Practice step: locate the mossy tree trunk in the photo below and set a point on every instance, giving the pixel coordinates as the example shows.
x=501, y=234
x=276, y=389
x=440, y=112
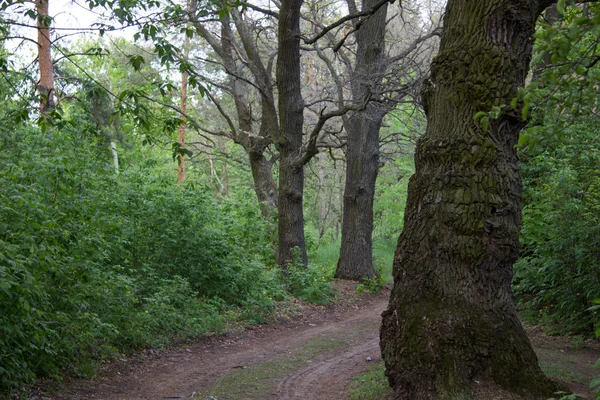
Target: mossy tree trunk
x=451, y=317
x=356, y=260
x=289, y=140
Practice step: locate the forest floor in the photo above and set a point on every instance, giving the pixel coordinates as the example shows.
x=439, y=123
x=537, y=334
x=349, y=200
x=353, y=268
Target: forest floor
x=317, y=355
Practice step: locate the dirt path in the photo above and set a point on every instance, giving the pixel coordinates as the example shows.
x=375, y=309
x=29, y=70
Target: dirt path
x=313, y=358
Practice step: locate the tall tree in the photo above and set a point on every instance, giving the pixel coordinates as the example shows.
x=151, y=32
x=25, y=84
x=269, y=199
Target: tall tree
x=289, y=140
x=362, y=127
x=451, y=317
x=44, y=43
x=236, y=54
x=365, y=63
x=191, y=7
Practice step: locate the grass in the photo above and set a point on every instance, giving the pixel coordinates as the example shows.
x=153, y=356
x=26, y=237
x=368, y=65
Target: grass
x=372, y=385
x=562, y=372
x=383, y=258
x=327, y=255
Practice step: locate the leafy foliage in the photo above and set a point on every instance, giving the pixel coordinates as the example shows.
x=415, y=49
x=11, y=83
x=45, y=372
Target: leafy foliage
x=92, y=263
x=557, y=277
x=309, y=283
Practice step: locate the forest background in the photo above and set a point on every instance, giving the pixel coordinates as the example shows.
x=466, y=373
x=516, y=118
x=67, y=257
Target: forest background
x=140, y=192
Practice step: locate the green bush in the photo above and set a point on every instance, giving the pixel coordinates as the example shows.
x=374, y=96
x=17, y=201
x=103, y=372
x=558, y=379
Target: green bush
x=310, y=283
x=93, y=264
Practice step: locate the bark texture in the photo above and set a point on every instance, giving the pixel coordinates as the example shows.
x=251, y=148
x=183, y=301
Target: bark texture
x=362, y=127
x=451, y=317
x=289, y=140
x=46, y=83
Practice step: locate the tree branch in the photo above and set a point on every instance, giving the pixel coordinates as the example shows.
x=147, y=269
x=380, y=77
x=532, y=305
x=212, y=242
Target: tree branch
x=366, y=13
x=311, y=146
x=273, y=14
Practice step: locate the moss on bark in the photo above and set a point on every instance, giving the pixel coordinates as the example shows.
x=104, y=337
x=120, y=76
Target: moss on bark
x=451, y=318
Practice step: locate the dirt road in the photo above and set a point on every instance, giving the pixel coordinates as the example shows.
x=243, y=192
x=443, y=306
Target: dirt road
x=310, y=359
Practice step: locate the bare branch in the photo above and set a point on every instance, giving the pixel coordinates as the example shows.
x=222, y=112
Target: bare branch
x=366, y=14
x=413, y=46
x=311, y=146
x=272, y=13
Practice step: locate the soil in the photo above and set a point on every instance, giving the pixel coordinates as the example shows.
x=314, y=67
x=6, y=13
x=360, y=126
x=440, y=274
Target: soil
x=312, y=357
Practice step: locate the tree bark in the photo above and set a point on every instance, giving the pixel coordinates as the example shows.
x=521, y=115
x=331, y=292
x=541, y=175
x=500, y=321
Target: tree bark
x=115, y=155
x=255, y=146
x=451, y=317
x=356, y=259
x=46, y=83
x=264, y=184
x=289, y=139
x=182, y=124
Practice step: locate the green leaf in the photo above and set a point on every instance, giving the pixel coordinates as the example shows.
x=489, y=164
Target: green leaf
x=560, y=7
x=136, y=62
x=525, y=110
x=479, y=115
x=485, y=122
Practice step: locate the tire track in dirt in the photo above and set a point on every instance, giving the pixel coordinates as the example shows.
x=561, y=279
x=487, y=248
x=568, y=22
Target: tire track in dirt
x=328, y=379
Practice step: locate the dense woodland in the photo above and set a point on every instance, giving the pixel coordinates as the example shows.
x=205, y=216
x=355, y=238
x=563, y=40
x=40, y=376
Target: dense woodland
x=177, y=168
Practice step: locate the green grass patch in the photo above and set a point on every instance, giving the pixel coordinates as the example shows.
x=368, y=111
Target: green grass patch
x=326, y=255
x=383, y=258
x=372, y=385
x=560, y=371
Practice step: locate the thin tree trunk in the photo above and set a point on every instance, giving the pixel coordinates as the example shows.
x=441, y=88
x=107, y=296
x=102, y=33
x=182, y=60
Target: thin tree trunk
x=323, y=198
x=46, y=83
x=113, y=150
x=225, y=179
x=182, y=124
x=356, y=260
x=451, y=319
x=191, y=6
x=289, y=140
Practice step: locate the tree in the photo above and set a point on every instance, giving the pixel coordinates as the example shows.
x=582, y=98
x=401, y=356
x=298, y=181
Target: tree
x=46, y=83
x=366, y=62
x=191, y=7
x=289, y=139
x=362, y=127
x=235, y=54
x=451, y=317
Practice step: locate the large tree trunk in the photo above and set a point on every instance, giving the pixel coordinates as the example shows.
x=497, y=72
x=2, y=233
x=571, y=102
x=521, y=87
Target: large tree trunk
x=46, y=83
x=289, y=140
x=356, y=259
x=451, y=317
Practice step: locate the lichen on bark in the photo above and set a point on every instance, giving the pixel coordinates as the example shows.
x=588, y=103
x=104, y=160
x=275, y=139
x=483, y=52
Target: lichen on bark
x=451, y=319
